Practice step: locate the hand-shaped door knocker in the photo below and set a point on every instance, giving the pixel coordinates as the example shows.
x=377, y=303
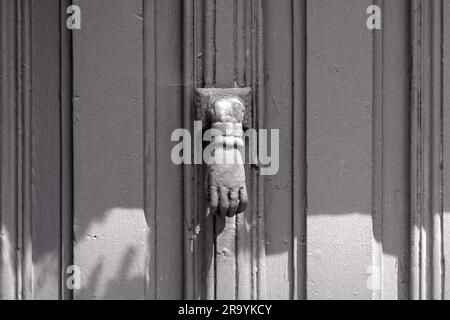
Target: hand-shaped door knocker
x=224, y=116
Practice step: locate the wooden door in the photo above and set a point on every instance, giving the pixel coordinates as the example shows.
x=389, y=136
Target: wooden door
x=357, y=209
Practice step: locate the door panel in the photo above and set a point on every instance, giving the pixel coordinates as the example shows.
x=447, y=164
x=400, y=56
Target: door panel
x=109, y=223
x=339, y=150
x=358, y=119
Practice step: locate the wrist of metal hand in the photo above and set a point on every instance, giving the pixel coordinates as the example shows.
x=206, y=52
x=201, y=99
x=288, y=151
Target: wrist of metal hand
x=232, y=134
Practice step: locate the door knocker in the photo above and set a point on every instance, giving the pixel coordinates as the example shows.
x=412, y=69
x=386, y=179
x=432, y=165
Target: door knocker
x=225, y=114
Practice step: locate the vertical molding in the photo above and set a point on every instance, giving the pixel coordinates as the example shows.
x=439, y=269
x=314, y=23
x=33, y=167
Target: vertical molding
x=66, y=152
x=259, y=118
x=437, y=210
x=46, y=148
x=150, y=136
x=390, y=152
x=446, y=148
x=241, y=35
x=299, y=150
x=244, y=281
x=278, y=114
x=416, y=19
x=377, y=159
x=204, y=235
x=27, y=148
x=168, y=188
x=15, y=215
x=226, y=253
x=8, y=150
x=426, y=153
x=190, y=243
x=207, y=29
x=209, y=43
x=26, y=156
x=250, y=76
x=20, y=153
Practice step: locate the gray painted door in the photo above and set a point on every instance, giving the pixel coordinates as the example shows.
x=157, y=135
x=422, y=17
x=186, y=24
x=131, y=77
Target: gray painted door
x=357, y=210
